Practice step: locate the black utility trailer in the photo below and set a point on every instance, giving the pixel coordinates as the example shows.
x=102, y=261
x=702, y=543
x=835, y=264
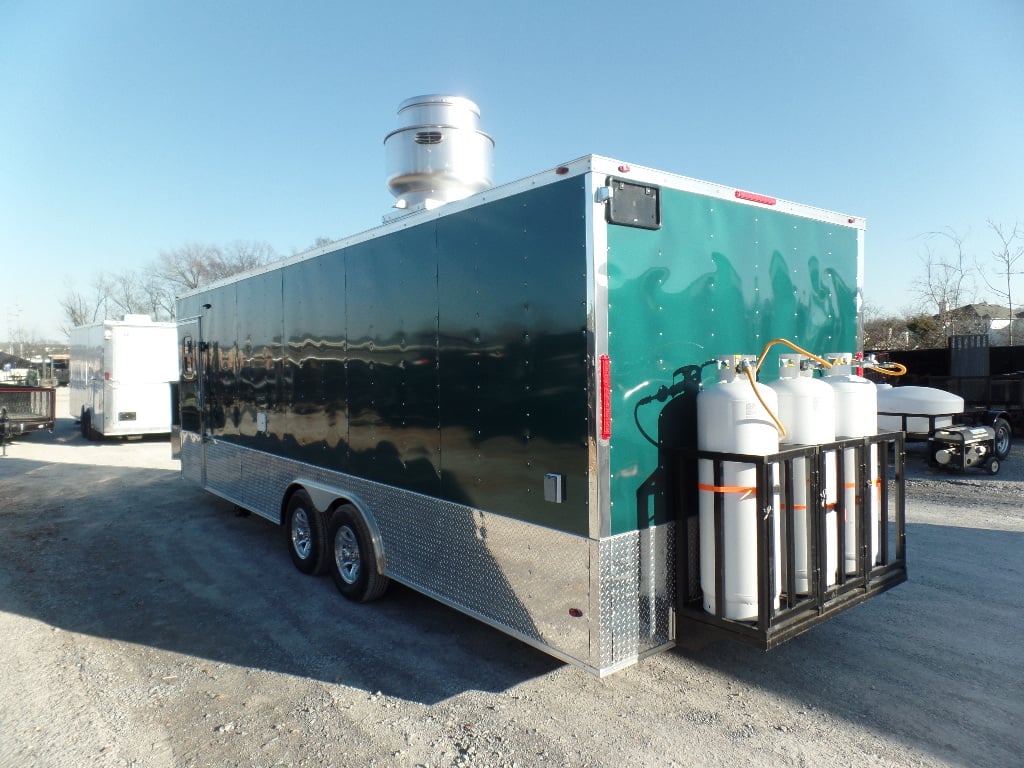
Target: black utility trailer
x=989, y=379
x=995, y=420
x=988, y=399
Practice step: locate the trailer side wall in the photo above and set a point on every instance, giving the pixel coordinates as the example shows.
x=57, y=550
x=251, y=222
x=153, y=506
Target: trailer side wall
x=448, y=358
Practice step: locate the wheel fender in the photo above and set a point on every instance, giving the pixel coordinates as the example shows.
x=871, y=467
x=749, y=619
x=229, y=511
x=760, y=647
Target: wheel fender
x=325, y=498
x=991, y=416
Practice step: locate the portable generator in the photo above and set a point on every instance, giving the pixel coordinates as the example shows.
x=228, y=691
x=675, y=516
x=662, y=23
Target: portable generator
x=961, y=447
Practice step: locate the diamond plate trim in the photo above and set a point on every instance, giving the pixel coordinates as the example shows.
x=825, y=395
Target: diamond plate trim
x=602, y=604
x=636, y=591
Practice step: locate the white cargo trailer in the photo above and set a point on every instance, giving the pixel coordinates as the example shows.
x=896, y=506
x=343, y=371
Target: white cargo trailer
x=120, y=377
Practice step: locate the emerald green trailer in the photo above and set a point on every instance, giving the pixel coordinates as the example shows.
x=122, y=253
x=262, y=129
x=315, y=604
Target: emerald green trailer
x=491, y=401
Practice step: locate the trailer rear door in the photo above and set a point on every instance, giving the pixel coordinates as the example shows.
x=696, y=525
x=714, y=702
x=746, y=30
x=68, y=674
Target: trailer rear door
x=191, y=395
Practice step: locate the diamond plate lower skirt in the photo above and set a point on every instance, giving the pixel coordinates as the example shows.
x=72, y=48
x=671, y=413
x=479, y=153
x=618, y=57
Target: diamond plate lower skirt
x=599, y=603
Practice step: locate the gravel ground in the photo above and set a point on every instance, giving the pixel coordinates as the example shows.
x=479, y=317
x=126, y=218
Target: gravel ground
x=144, y=623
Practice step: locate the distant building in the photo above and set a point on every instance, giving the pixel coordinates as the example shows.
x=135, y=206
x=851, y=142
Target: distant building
x=991, y=319
x=9, y=361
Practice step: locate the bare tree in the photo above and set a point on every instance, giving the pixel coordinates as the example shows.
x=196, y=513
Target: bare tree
x=75, y=310
x=1007, y=256
x=152, y=290
x=187, y=267
x=159, y=297
x=241, y=256
x=947, y=282
x=126, y=293
x=80, y=309
x=884, y=331
x=193, y=265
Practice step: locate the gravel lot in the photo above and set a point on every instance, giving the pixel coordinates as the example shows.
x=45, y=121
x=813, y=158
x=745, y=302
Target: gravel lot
x=144, y=623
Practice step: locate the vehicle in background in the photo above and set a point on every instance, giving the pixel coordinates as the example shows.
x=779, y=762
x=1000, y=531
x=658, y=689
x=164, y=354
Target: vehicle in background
x=25, y=409
x=27, y=401
x=61, y=369
x=120, y=377
x=968, y=384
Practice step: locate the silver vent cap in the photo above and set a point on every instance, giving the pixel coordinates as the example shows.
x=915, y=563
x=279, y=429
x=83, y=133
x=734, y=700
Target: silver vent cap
x=439, y=154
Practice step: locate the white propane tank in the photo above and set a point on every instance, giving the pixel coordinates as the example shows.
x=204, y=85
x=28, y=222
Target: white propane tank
x=730, y=419
x=807, y=410
x=856, y=416
x=807, y=406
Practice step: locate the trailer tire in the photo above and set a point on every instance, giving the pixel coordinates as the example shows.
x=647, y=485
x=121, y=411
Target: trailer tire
x=1004, y=437
x=87, y=430
x=352, y=560
x=306, y=534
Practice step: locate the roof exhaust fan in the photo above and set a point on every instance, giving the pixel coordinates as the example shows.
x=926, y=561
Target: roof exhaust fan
x=440, y=154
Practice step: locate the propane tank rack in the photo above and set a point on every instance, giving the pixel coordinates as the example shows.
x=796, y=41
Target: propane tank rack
x=786, y=613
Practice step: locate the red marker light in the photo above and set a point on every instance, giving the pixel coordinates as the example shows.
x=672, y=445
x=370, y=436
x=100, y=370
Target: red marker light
x=575, y=612
x=106, y=375
x=562, y=170
x=606, y=397
x=624, y=168
x=755, y=198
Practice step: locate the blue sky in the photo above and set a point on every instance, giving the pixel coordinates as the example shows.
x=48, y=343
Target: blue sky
x=135, y=126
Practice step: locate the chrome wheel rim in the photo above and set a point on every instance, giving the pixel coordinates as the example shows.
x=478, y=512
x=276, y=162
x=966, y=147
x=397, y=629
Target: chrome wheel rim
x=302, y=534
x=1002, y=441
x=346, y=554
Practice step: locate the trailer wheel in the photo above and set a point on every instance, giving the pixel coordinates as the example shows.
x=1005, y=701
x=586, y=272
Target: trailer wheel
x=1004, y=437
x=87, y=430
x=353, y=562
x=306, y=534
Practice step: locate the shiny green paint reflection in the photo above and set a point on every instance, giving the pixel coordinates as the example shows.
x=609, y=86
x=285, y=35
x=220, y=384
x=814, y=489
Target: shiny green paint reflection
x=719, y=277
x=448, y=358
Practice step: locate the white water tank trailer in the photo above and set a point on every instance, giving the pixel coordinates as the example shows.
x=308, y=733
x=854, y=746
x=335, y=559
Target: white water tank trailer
x=916, y=410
